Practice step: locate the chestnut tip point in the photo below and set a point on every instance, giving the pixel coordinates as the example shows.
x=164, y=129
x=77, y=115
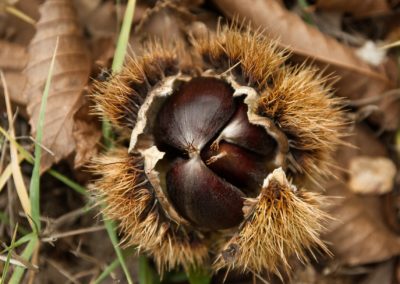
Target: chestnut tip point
x=278, y=175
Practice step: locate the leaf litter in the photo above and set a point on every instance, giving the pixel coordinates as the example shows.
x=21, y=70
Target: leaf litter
x=364, y=236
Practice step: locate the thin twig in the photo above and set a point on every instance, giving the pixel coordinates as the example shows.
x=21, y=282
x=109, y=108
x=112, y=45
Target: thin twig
x=85, y=273
x=12, y=261
x=63, y=271
x=55, y=237
x=88, y=258
x=393, y=94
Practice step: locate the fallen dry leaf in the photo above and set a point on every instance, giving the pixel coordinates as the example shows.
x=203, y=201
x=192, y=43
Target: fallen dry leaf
x=355, y=7
x=20, y=31
x=99, y=18
x=12, y=56
x=71, y=73
x=87, y=135
x=358, y=234
x=16, y=83
x=382, y=274
x=155, y=21
x=371, y=175
x=356, y=78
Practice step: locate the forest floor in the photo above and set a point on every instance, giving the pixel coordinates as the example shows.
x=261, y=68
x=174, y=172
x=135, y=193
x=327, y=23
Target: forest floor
x=356, y=43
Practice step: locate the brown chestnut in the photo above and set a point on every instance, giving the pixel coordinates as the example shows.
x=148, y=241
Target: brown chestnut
x=195, y=113
x=237, y=165
x=207, y=184
x=241, y=132
x=202, y=197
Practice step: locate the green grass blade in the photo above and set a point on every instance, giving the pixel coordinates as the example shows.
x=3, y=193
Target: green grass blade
x=123, y=38
x=146, y=273
x=118, y=62
x=24, y=239
x=111, y=228
x=67, y=181
x=27, y=254
x=110, y=268
x=108, y=138
x=7, y=264
x=198, y=276
x=28, y=157
x=27, y=238
x=175, y=277
x=5, y=220
x=35, y=180
x=307, y=17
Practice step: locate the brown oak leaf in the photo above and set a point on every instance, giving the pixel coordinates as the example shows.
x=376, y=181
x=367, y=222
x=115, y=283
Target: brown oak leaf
x=359, y=233
x=71, y=73
x=355, y=79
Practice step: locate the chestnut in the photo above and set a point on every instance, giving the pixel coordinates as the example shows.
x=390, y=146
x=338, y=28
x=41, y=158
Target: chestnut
x=241, y=132
x=202, y=197
x=207, y=184
x=237, y=165
x=194, y=114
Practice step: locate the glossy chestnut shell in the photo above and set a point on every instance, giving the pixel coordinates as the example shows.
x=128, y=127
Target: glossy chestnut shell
x=216, y=157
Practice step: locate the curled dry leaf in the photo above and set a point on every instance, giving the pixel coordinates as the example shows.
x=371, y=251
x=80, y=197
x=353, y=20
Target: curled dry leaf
x=382, y=274
x=19, y=30
x=165, y=15
x=355, y=7
x=71, y=72
x=15, y=83
x=358, y=234
x=355, y=78
x=13, y=58
x=86, y=133
x=371, y=175
x=99, y=18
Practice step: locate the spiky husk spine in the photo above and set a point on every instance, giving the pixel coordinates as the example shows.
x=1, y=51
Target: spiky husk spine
x=279, y=222
x=296, y=99
x=129, y=198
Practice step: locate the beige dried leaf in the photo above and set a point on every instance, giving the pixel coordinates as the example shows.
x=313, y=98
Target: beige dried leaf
x=87, y=134
x=71, y=73
x=16, y=83
x=356, y=78
x=355, y=7
x=12, y=56
x=359, y=233
x=371, y=175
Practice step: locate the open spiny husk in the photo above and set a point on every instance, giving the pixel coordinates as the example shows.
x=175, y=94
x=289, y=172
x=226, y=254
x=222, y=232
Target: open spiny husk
x=296, y=99
x=129, y=199
x=279, y=223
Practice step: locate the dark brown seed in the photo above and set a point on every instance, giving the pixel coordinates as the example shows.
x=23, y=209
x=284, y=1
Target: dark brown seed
x=241, y=132
x=202, y=197
x=241, y=167
x=194, y=114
